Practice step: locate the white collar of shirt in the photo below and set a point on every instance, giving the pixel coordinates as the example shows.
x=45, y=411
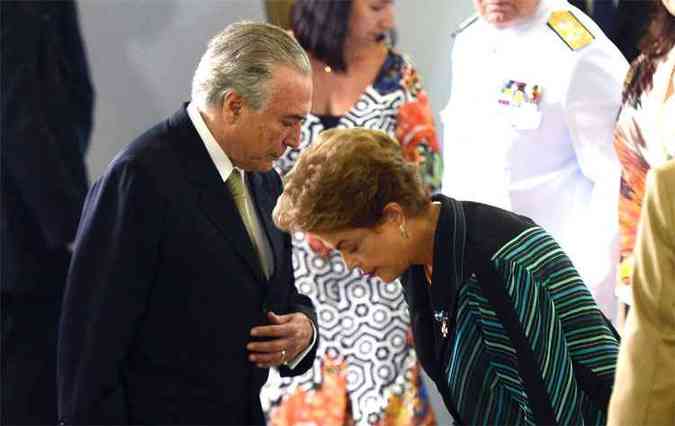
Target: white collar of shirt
x=218, y=156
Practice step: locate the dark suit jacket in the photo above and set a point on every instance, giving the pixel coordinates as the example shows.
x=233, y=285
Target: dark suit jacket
x=47, y=102
x=625, y=25
x=164, y=288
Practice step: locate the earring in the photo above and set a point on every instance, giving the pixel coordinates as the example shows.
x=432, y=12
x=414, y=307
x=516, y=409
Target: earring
x=404, y=232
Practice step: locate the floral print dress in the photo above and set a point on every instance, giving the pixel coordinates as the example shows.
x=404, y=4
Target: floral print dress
x=644, y=138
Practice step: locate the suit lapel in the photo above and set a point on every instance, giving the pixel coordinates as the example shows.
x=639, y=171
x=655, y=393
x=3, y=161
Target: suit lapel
x=218, y=205
x=214, y=199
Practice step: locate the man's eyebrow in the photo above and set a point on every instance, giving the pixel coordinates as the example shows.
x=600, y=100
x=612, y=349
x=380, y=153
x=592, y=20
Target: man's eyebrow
x=337, y=247
x=297, y=117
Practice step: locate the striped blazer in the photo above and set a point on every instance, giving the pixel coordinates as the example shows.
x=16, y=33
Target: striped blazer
x=515, y=337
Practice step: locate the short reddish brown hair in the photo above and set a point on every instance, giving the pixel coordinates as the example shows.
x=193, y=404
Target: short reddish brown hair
x=345, y=179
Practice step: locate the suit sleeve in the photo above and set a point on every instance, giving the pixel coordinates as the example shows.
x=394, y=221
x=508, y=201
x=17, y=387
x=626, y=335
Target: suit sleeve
x=40, y=154
x=111, y=274
x=304, y=305
x=644, y=380
x=559, y=318
x=591, y=106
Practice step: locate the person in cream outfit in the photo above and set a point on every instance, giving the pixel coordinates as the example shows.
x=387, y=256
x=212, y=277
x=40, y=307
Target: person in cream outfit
x=644, y=387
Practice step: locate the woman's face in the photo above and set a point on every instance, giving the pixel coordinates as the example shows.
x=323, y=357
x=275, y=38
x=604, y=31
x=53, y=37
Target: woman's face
x=504, y=13
x=670, y=5
x=370, y=20
x=378, y=251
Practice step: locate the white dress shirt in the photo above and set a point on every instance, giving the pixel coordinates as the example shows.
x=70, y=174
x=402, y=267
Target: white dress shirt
x=554, y=163
x=225, y=168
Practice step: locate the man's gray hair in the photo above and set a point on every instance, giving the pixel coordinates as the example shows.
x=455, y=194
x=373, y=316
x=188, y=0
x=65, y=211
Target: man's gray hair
x=240, y=58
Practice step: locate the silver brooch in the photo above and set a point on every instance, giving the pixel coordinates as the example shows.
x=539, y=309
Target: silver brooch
x=442, y=317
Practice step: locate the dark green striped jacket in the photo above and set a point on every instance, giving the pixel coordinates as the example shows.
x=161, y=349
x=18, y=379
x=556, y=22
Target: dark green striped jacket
x=518, y=339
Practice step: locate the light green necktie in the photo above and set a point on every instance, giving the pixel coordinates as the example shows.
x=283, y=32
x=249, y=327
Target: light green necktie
x=236, y=185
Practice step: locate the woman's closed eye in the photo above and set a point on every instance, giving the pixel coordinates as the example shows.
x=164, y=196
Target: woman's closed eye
x=350, y=249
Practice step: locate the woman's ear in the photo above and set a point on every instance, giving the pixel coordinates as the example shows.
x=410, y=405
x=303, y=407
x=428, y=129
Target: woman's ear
x=393, y=212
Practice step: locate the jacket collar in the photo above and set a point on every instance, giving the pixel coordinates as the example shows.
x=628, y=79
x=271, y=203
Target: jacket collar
x=448, y=264
x=448, y=272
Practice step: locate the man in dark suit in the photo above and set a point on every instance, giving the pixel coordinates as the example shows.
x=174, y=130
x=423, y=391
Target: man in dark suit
x=624, y=21
x=47, y=105
x=180, y=294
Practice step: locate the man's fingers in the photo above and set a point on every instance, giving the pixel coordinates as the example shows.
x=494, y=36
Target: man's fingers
x=272, y=330
x=287, y=336
x=269, y=346
x=279, y=319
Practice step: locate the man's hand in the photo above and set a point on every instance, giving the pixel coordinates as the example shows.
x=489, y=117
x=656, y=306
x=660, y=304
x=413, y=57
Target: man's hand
x=288, y=336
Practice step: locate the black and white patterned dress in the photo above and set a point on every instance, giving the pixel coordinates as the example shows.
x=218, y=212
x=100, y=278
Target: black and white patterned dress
x=363, y=322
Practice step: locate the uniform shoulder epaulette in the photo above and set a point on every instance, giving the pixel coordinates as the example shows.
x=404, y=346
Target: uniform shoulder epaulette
x=464, y=25
x=570, y=29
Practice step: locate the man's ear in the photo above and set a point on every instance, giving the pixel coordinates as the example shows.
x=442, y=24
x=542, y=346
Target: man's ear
x=233, y=104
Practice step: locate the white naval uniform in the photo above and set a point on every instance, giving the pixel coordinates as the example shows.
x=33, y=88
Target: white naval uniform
x=556, y=164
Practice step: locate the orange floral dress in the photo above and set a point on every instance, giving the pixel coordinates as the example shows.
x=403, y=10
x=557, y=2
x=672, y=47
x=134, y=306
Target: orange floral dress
x=644, y=137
